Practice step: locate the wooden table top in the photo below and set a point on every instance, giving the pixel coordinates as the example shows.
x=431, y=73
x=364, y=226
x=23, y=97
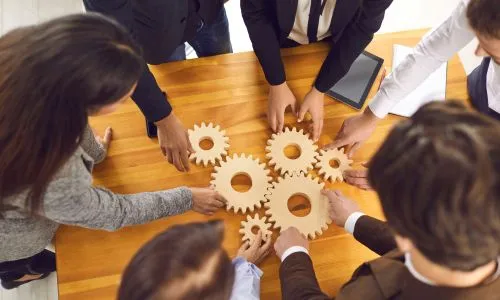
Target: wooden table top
x=229, y=90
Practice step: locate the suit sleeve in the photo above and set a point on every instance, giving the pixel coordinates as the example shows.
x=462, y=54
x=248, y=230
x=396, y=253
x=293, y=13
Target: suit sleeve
x=374, y=234
x=148, y=96
x=298, y=280
x=259, y=20
x=356, y=36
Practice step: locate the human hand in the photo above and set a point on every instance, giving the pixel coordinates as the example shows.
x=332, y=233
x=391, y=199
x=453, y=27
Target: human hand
x=354, y=131
x=207, y=200
x=280, y=97
x=289, y=238
x=257, y=251
x=314, y=104
x=339, y=206
x=358, y=178
x=174, y=142
x=106, y=139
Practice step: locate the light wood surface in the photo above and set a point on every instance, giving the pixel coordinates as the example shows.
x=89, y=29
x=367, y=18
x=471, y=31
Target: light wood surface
x=229, y=90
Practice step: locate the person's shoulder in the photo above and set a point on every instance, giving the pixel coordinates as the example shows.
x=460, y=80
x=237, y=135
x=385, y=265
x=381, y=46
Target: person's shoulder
x=75, y=173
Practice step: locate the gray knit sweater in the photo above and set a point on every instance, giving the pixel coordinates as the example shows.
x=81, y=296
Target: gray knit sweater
x=71, y=199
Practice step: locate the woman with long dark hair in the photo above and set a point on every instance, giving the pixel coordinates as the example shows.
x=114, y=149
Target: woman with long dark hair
x=52, y=77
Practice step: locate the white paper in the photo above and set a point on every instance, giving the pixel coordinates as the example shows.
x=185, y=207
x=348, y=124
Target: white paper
x=432, y=89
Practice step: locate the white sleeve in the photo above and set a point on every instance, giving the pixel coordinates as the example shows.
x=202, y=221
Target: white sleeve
x=292, y=250
x=437, y=47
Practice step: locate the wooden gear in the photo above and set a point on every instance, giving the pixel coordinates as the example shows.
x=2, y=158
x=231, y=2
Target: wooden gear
x=283, y=164
x=237, y=165
x=256, y=221
x=216, y=135
x=311, y=225
x=326, y=170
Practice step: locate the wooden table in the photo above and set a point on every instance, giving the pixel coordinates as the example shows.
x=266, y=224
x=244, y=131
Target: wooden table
x=229, y=90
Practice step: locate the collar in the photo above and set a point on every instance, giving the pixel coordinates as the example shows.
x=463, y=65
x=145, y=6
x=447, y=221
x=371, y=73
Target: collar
x=411, y=268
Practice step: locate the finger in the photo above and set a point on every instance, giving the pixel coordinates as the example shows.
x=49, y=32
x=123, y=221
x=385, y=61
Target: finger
x=316, y=130
x=267, y=244
x=108, y=134
x=353, y=149
x=355, y=173
x=366, y=187
x=336, y=144
x=184, y=159
x=177, y=161
x=257, y=241
x=281, y=121
x=168, y=155
x=366, y=164
x=221, y=198
x=272, y=120
x=327, y=193
x=244, y=246
x=293, y=105
x=217, y=203
x=321, y=123
x=190, y=147
x=302, y=112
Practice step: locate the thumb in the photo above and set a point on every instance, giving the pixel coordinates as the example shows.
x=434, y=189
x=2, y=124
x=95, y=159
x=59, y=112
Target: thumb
x=302, y=112
x=337, y=143
x=257, y=241
x=190, y=146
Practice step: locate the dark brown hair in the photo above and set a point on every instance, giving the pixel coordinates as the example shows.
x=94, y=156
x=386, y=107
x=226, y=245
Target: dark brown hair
x=438, y=178
x=484, y=17
x=186, y=262
x=51, y=76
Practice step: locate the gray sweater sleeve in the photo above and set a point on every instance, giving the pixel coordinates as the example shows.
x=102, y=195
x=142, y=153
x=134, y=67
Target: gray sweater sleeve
x=72, y=200
x=93, y=148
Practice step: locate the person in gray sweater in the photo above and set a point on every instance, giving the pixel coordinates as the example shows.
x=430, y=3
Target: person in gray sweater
x=53, y=76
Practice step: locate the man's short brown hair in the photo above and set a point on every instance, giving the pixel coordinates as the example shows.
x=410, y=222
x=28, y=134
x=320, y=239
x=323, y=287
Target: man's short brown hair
x=484, y=17
x=438, y=178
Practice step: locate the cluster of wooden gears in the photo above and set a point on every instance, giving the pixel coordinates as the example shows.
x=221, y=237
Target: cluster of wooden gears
x=274, y=196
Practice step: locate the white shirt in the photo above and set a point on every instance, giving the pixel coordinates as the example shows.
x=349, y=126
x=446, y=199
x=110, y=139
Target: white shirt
x=299, y=30
x=434, y=49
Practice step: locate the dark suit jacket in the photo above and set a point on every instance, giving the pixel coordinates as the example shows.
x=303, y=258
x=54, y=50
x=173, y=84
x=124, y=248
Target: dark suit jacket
x=384, y=278
x=159, y=26
x=354, y=22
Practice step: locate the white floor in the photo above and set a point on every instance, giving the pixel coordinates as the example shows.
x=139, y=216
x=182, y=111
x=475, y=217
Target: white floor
x=402, y=15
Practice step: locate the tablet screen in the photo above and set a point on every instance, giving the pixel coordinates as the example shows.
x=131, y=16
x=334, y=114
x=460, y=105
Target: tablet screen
x=354, y=87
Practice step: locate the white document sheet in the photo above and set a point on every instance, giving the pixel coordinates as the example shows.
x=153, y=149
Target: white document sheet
x=432, y=89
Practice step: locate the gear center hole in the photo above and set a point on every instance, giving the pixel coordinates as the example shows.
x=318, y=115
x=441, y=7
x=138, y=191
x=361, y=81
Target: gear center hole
x=255, y=230
x=241, y=182
x=292, y=151
x=206, y=143
x=299, y=205
x=334, y=163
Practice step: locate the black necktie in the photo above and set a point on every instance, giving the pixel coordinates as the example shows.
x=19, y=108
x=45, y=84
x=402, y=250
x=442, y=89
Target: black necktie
x=312, y=26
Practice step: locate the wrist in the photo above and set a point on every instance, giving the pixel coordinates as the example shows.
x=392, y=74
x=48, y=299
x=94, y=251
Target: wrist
x=166, y=120
x=370, y=116
x=278, y=86
x=351, y=221
x=315, y=91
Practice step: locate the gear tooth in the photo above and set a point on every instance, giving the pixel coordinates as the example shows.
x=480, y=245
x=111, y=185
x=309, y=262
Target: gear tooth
x=217, y=127
x=210, y=125
x=190, y=131
x=206, y=162
x=250, y=156
x=242, y=231
x=196, y=127
x=248, y=218
x=287, y=129
x=198, y=160
x=301, y=131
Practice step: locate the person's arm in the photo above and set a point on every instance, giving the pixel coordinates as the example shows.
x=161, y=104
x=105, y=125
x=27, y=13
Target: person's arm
x=356, y=36
x=432, y=51
x=259, y=21
x=374, y=234
x=297, y=277
x=246, y=280
x=370, y=232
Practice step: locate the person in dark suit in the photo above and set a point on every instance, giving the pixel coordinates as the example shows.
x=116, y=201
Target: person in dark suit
x=162, y=27
x=349, y=25
x=437, y=176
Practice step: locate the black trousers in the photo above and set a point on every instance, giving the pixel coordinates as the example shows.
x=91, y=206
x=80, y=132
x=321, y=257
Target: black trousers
x=41, y=263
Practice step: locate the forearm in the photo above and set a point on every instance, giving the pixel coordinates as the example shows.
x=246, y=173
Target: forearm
x=264, y=39
x=374, y=234
x=437, y=47
x=246, y=280
x=298, y=280
x=90, y=145
x=100, y=208
x=150, y=98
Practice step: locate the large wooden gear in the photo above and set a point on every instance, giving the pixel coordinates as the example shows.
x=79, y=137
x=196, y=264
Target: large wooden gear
x=237, y=165
x=326, y=170
x=283, y=164
x=256, y=221
x=311, y=225
x=213, y=133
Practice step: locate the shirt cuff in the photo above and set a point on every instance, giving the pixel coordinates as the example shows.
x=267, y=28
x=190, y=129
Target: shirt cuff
x=350, y=223
x=240, y=261
x=292, y=250
x=380, y=107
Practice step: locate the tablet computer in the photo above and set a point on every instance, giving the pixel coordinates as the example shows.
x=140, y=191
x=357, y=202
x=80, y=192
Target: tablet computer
x=354, y=87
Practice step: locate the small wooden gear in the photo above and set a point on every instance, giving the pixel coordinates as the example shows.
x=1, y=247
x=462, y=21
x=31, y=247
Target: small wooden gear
x=256, y=221
x=237, y=165
x=213, y=133
x=283, y=164
x=326, y=170
x=311, y=225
